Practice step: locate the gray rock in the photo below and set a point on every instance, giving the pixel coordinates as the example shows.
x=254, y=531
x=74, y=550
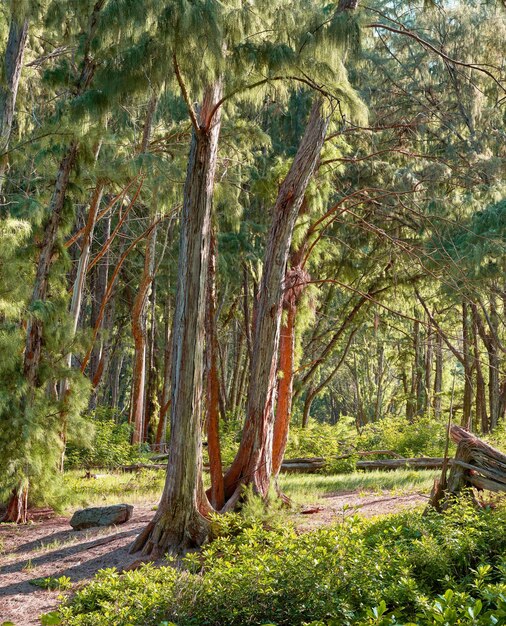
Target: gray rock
x=101, y=516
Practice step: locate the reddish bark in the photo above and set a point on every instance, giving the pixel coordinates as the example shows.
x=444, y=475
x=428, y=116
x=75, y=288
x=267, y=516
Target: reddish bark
x=17, y=507
x=139, y=330
x=253, y=462
x=217, y=491
x=165, y=395
x=284, y=404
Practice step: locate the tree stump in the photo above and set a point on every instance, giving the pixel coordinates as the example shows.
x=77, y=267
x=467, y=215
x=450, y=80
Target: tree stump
x=476, y=464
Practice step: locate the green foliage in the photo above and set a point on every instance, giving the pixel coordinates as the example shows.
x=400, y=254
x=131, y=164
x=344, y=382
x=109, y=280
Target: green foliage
x=422, y=436
x=396, y=570
x=63, y=583
x=108, y=447
x=320, y=440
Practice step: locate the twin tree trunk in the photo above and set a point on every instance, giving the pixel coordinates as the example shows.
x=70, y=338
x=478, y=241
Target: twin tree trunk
x=253, y=462
x=180, y=521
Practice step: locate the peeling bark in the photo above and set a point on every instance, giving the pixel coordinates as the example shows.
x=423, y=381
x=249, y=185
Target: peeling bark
x=180, y=522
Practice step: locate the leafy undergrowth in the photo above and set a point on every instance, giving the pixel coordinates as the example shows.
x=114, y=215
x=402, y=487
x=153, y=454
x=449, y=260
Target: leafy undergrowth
x=403, y=569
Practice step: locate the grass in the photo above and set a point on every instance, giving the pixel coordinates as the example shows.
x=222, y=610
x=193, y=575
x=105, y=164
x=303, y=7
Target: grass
x=303, y=488
x=134, y=488
x=145, y=487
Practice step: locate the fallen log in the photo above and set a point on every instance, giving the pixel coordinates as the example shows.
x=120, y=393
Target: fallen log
x=311, y=465
x=137, y=467
x=415, y=462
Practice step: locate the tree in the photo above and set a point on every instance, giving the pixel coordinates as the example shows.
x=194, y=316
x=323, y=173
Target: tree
x=13, y=63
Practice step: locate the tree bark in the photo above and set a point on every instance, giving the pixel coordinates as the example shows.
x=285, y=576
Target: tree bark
x=217, y=491
x=139, y=333
x=285, y=385
x=438, y=376
x=180, y=522
x=468, y=369
x=13, y=62
x=253, y=463
x=75, y=304
x=152, y=369
x=481, y=397
x=165, y=395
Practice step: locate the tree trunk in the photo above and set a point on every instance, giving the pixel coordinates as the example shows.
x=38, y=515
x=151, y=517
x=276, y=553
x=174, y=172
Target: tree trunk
x=99, y=275
x=139, y=332
x=180, y=522
x=17, y=508
x=152, y=370
x=481, y=397
x=33, y=346
x=285, y=385
x=217, y=491
x=75, y=304
x=253, y=463
x=165, y=395
x=16, y=43
x=468, y=369
x=493, y=378
x=438, y=376
x=429, y=349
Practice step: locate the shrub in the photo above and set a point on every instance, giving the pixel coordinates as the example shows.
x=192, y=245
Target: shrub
x=423, y=436
x=396, y=570
x=108, y=446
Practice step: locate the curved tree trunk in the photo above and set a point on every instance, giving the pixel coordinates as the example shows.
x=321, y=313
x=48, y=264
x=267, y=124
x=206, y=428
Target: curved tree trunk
x=295, y=282
x=253, y=462
x=180, y=522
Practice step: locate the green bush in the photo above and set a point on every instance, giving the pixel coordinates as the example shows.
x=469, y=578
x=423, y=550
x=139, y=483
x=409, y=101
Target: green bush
x=108, y=446
x=423, y=436
x=321, y=439
x=397, y=570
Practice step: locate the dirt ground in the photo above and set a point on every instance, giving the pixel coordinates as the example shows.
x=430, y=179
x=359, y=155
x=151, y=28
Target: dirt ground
x=49, y=547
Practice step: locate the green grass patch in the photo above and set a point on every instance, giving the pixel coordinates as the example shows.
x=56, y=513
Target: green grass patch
x=145, y=486
x=308, y=487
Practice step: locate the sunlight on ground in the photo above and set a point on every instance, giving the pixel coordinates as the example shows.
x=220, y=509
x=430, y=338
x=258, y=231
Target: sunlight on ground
x=146, y=486
x=308, y=487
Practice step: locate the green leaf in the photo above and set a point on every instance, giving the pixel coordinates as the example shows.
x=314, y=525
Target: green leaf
x=50, y=619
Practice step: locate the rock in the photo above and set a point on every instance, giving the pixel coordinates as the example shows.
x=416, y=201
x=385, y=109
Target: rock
x=101, y=516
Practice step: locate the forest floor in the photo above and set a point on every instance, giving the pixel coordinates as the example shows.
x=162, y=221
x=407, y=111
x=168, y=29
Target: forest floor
x=48, y=547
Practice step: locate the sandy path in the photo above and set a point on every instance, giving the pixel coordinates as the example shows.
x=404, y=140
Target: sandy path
x=49, y=547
